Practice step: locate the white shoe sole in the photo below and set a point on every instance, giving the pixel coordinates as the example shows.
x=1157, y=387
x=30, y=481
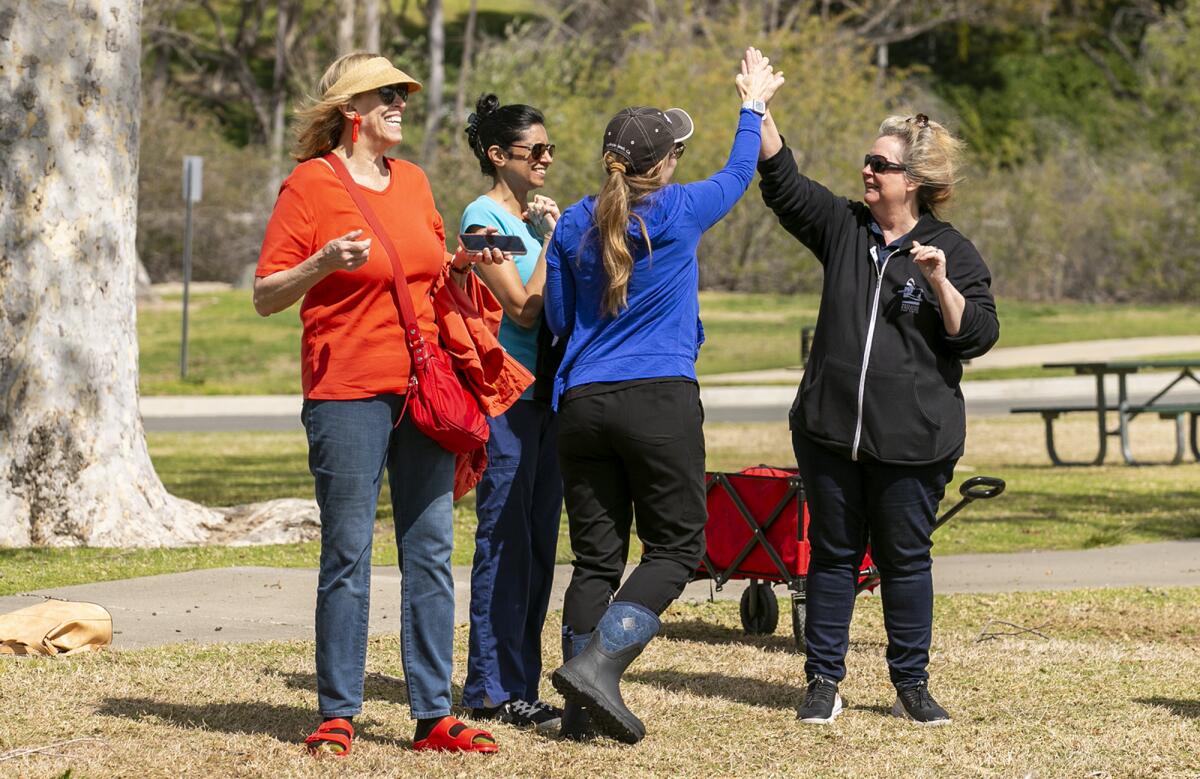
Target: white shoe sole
x=837, y=709
x=898, y=710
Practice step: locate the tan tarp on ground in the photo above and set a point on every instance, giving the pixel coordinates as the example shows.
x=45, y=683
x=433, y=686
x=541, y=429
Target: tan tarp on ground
x=55, y=627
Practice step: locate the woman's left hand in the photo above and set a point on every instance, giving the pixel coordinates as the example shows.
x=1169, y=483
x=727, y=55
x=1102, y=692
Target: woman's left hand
x=542, y=211
x=932, y=262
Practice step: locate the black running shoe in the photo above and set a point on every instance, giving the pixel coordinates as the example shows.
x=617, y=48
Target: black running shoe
x=537, y=714
x=522, y=714
x=822, y=702
x=916, y=704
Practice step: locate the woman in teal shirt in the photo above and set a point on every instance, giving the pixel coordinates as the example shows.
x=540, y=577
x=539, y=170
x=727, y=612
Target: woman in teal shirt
x=519, y=499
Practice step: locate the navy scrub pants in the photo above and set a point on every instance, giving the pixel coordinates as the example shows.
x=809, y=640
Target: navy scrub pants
x=893, y=507
x=518, y=504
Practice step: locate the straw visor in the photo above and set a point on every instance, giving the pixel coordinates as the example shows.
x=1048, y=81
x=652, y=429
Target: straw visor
x=374, y=73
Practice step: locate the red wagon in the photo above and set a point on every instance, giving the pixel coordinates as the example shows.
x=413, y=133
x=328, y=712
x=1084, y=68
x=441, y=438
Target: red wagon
x=758, y=530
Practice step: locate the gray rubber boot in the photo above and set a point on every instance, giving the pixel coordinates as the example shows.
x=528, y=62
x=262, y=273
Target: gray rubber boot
x=593, y=678
x=576, y=724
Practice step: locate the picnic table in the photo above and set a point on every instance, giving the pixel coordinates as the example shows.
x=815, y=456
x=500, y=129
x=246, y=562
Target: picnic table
x=1183, y=370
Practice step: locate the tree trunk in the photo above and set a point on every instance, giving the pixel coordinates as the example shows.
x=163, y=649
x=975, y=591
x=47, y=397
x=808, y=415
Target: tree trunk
x=279, y=76
x=437, y=79
x=74, y=468
x=460, y=96
x=371, y=22
x=345, y=26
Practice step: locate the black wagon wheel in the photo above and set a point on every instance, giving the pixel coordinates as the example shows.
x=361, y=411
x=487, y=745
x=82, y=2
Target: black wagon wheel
x=799, y=616
x=760, y=609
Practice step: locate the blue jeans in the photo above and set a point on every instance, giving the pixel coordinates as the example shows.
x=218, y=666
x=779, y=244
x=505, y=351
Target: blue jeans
x=518, y=503
x=894, y=507
x=350, y=443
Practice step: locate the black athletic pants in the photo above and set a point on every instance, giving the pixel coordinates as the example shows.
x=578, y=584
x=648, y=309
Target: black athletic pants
x=638, y=449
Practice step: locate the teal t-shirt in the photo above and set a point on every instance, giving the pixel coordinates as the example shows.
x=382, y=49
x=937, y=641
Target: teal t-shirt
x=520, y=342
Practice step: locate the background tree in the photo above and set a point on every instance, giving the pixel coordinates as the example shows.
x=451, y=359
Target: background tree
x=74, y=468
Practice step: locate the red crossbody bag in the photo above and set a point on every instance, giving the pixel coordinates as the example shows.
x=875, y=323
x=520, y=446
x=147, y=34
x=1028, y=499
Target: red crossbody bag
x=442, y=408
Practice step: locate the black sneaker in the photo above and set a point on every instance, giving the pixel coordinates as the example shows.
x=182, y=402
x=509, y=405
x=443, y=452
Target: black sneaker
x=522, y=714
x=822, y=702
x=916, y=704
x=539, y=715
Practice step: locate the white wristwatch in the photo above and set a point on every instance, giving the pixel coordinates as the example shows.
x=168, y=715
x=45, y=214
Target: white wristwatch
x=757, y=106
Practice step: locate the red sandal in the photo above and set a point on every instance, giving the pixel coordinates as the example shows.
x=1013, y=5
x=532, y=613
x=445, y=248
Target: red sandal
x=332, y=737
x=451, y=735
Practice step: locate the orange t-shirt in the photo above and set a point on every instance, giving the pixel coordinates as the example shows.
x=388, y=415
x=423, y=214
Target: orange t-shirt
x=353, y=344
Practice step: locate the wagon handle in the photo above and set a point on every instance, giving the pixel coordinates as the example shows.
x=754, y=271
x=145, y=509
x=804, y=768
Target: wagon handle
x=982, y=487
x=974, y=488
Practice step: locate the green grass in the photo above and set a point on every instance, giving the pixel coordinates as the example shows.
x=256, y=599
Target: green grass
x=233, y=351
x=1044, y=507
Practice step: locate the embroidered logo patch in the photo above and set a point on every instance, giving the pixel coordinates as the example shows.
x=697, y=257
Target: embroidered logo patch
x=910, y=298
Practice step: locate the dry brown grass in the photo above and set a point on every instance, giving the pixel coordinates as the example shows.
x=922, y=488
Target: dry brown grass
x=1111, y=693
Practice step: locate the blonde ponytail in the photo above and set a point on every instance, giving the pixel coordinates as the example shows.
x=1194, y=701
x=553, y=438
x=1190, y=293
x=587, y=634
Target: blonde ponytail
x=621, y=191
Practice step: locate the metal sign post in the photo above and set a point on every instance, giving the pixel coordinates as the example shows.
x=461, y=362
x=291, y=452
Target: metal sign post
x=193, y=175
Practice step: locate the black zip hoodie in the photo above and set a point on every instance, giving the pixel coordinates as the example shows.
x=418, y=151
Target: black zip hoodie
x=882, y=380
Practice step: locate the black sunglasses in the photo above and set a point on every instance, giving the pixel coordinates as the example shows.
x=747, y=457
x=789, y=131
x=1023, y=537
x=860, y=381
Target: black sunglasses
x=878, y=163
x=678, y=149
x=389, y=93
x=537, y=150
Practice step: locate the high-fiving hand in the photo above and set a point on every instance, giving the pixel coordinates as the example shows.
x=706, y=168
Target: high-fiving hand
x=758, y=80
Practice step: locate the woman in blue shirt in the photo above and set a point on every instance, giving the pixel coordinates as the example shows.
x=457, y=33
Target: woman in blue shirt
x=519, y=498
x=622, y=282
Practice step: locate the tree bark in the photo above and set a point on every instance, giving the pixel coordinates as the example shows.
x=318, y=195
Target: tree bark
x=371, y=23
x=74, y=468
x=345, y=26
x=460, y=96
x=437, y=79
x=283, y=22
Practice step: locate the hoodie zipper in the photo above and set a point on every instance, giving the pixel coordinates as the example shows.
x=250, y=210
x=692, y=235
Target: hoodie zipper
x=862, y=377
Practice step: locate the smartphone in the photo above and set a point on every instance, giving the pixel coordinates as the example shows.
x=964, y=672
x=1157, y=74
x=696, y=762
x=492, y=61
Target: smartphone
x=477, y=242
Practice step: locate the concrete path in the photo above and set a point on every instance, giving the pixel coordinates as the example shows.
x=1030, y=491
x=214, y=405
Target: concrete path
x=752, y=396
x=269, y=604
x=215, y=413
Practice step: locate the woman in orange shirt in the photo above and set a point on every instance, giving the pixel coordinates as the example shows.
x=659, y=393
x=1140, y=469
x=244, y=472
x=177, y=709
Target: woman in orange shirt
x=355, y=371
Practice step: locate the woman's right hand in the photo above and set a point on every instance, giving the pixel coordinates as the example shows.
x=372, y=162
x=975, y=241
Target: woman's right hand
x=758, y=80
x=344, y=253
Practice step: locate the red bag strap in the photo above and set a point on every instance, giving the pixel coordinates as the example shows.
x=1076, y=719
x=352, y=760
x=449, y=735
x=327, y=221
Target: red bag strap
x=408, y=315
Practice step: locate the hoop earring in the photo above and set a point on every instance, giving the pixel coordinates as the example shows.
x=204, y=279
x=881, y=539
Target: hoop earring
x=354, y=128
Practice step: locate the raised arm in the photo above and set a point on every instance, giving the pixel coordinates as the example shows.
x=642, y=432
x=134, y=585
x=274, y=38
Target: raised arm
x=712, y=198
x=807, y=210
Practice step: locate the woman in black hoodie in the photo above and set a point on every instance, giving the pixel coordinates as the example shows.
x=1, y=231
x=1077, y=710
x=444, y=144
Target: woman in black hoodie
x=879, y=420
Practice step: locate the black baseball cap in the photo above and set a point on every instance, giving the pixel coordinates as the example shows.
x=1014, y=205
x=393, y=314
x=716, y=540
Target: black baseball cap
x=642, y=136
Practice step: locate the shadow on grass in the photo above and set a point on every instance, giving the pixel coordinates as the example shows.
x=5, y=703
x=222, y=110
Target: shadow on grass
x=719, y=635
x=289, y=724
x=1177, y=706
x=739, y=689
x=376, y=686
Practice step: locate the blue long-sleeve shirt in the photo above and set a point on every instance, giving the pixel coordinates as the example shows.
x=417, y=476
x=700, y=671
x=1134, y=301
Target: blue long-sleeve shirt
x=659, y=334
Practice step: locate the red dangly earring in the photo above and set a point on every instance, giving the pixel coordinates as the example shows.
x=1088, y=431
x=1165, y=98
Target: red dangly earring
x=354, y=128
